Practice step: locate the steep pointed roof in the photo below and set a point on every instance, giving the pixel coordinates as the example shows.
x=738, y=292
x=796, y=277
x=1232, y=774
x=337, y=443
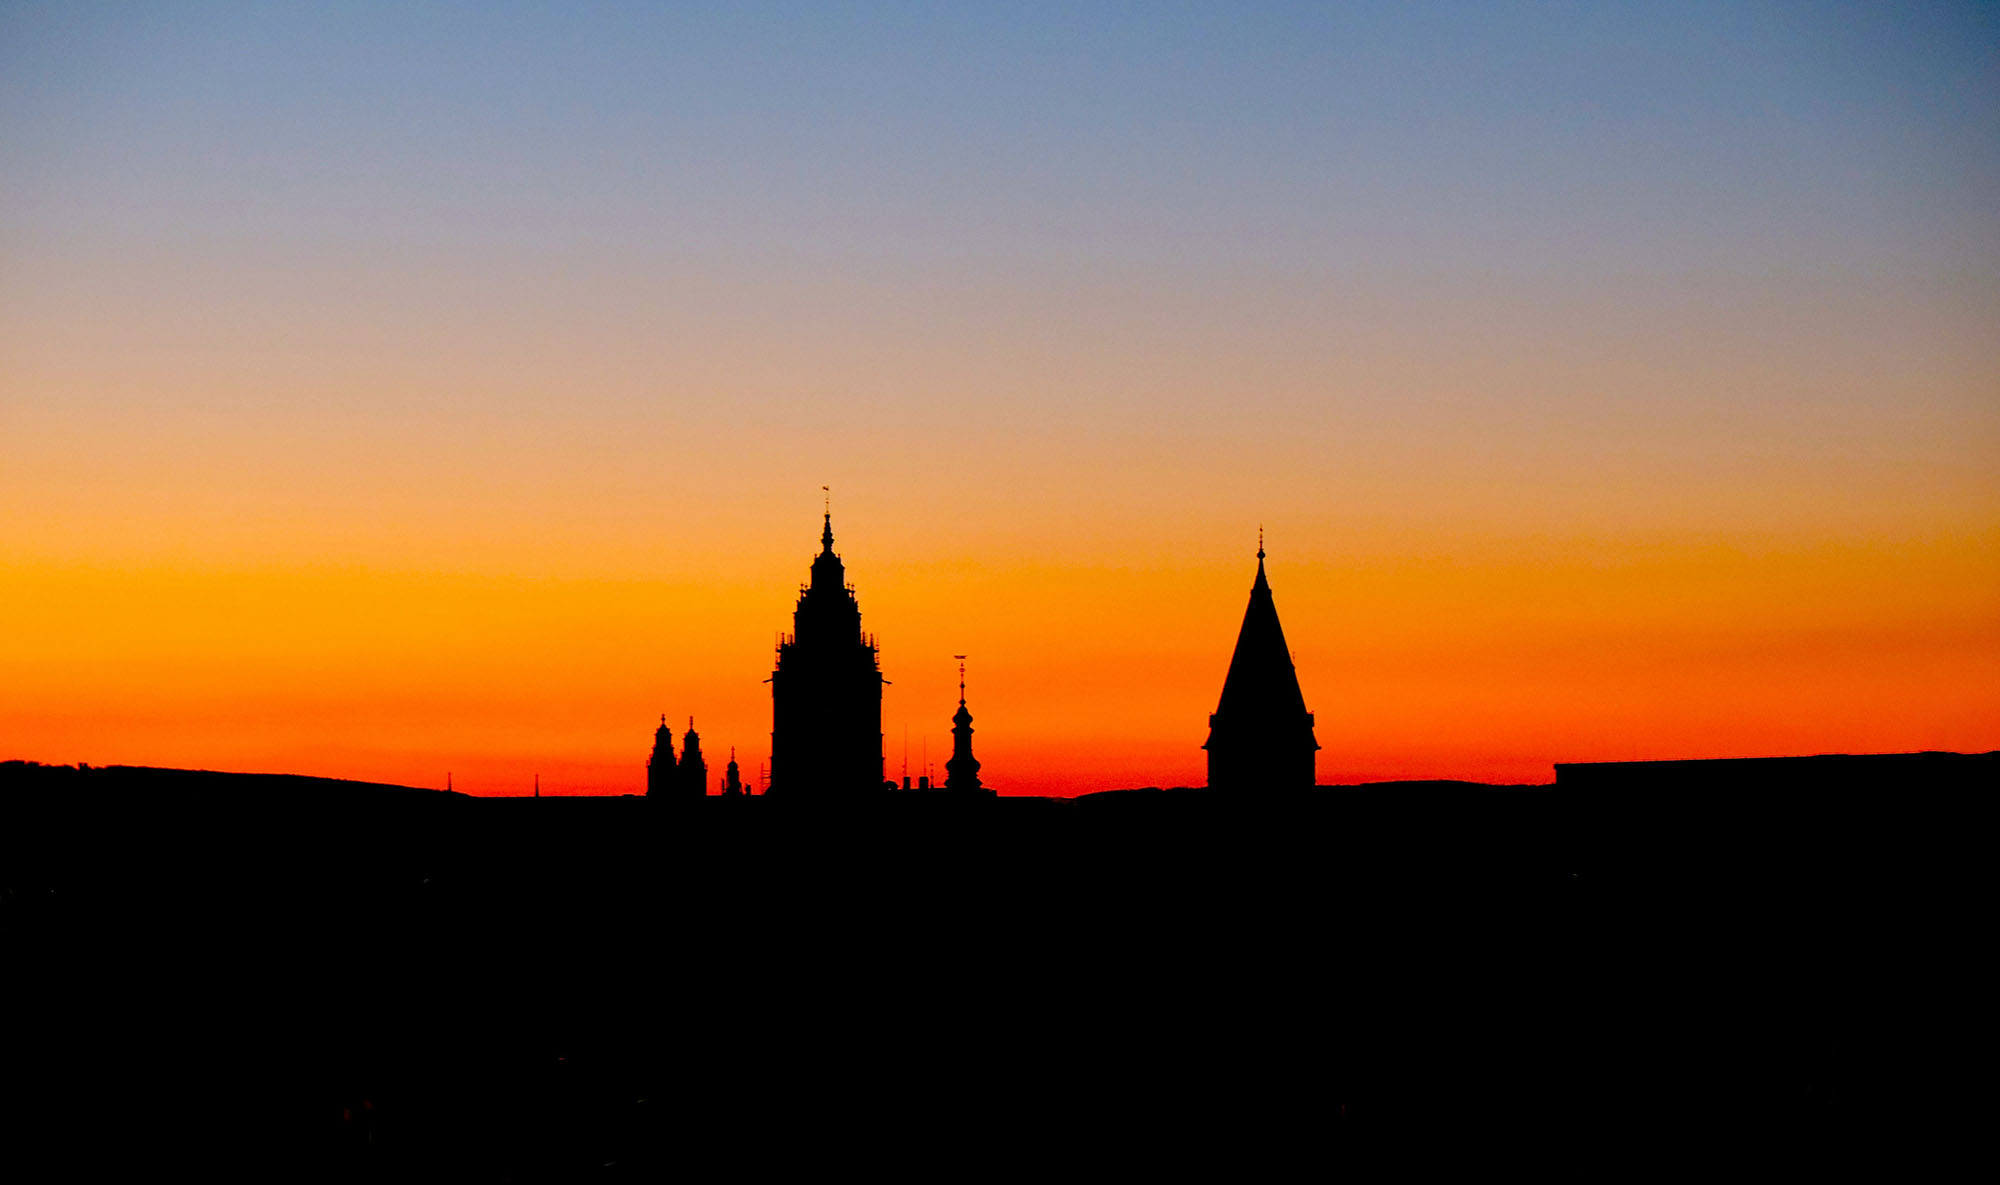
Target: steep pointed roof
x=1262, y=684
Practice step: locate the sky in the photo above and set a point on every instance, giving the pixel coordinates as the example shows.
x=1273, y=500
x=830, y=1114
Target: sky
x=389, y=391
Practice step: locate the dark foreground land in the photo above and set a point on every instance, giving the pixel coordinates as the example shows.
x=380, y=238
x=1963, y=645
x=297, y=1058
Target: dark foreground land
x=296, y=979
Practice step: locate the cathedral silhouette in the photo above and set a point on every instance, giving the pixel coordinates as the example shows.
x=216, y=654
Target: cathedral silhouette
x=826, y=709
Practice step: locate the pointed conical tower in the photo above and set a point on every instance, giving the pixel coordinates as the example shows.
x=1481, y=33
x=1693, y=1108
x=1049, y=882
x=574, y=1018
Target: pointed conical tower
x=693, y=771
x=660, y=766
x=826, y=692
x=1261, y=736
x=961, y=773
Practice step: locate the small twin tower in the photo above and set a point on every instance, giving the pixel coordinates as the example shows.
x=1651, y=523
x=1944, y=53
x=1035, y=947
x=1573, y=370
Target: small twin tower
x=683, y=778
x=1261, y=736
x=687, y=777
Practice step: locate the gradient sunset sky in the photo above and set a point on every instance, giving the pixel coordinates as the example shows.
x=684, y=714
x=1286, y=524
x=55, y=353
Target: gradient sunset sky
x=388, y=390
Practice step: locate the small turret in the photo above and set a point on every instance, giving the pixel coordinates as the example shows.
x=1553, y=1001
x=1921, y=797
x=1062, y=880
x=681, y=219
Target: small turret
x=961, y=773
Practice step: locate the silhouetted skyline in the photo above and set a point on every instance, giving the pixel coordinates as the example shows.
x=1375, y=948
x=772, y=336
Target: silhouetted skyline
x=430, y=398
x=826, y=708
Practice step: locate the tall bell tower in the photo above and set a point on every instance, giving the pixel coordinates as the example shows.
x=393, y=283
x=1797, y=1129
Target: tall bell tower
x=826, y=691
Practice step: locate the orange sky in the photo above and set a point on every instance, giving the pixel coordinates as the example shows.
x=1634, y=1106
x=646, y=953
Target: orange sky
x=1486, y=665
x=382, y=396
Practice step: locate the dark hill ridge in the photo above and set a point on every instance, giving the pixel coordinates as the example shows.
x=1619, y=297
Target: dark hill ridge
x=118, y=780
x=347, y=978
x=36, y=777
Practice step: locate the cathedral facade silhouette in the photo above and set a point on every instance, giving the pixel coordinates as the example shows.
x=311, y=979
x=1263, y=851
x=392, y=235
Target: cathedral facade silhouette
x=1260, y=736
x=826, y=710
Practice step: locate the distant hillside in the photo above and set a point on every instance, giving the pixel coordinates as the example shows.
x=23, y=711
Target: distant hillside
x=119, y=780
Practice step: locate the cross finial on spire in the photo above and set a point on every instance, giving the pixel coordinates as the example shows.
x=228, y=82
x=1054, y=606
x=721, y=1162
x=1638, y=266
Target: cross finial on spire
x=961, y=678
x=1260, y=541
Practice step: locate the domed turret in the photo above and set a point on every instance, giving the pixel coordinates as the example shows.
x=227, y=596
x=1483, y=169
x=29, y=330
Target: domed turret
x=961, y=773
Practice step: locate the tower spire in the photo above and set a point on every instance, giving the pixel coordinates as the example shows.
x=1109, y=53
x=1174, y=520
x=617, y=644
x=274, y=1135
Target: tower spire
x=1260, y=735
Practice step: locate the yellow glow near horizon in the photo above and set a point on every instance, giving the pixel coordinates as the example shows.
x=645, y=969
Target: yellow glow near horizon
x=1082, y=677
